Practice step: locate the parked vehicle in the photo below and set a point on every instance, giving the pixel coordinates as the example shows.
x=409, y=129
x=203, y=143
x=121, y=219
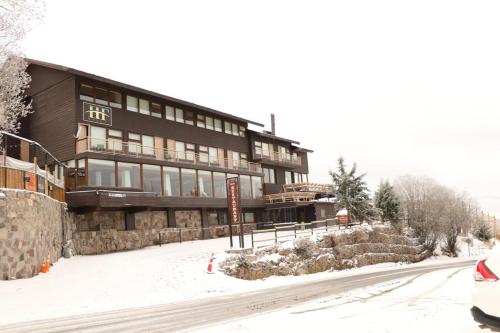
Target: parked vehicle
x=486, y=296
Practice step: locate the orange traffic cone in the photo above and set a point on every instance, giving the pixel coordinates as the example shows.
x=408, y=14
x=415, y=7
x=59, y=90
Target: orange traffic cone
x=210, y=265
x=44, y=268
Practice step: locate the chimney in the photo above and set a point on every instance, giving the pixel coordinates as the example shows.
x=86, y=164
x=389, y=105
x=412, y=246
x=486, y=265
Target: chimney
x=273, y=125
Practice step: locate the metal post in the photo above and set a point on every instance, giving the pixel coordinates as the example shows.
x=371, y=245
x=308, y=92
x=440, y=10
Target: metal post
x=180, y=235
x=252, y=238
x=5, y=159
x=295, y=230
x=275, y=236
x=159, y=238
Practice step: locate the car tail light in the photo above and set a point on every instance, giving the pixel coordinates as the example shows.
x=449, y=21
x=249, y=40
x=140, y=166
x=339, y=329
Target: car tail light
x=483, y=273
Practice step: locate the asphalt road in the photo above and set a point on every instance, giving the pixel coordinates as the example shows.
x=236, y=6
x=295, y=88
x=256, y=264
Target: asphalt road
x=190, y=315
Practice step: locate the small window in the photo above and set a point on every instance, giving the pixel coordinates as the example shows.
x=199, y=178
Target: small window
x=115, y=99
x=148, y=143
x=218, y=125
x=189, y=117
x=179, y=115
x=209, y=123
x=101, y=96
x=132, y=104
x=169, y=113
x=115, y=133
x=156, y=110
x=86, y=93
x=235, y=130
x=242, y=131
x=135, y=137
x=227, y=127
x=144, y=106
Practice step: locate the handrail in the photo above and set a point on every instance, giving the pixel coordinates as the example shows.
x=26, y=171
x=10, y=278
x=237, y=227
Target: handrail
x=111, y=146
x=279, y=157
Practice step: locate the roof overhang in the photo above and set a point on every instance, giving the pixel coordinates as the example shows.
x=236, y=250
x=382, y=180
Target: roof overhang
x=274, y=137
x=137, y=89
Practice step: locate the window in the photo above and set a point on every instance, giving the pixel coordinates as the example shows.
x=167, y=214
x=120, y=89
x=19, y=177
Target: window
x=209, y=123
x=144, y=106
x=235, y=129
x=101, y=173
x=171, y=181
x=101, y=96
x=188, y=177
x=269, y=176
x=132, y=104
x=151, y=175
x=249, y=217
x=86, y=93
x=218, y=125
x=129, y=175
x=219, y=185
x=257, y=187
x=200, y=121
x=148, y=145
x=169, y=113
x=288, y=177
x=185, y=151
x=265, y=149
x=242, y=131
x=203, y=154
x=156, y=110
x=134, y=143
x=188, y=117
x=212, y=156
x=115, y=140
x=297, y=177
x=243, y=161
x=236, y=159
x=258, y=148
x=227, y=127
x=179, y=115
x=97, y=138
x=246, y=187
x=190, y=152
x=205, y=183
x=115, y=99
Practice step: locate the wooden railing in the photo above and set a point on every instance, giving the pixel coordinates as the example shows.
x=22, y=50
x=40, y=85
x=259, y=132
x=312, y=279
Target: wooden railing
x=117, y=147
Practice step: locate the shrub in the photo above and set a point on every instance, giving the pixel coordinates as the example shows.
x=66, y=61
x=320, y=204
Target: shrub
x=304, y=247
x=242, y=262
x=483, y=232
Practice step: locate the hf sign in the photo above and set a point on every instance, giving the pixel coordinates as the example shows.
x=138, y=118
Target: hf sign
x=97, y=114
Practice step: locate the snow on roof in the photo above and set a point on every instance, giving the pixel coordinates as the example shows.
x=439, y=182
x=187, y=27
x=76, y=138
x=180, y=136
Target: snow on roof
x=342, y=212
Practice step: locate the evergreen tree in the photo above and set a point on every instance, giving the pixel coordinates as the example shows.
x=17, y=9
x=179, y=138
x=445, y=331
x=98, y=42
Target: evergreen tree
x=352, y=192
x=387, y=202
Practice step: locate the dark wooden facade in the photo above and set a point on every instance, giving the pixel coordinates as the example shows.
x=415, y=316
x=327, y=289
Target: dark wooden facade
x=59, y=110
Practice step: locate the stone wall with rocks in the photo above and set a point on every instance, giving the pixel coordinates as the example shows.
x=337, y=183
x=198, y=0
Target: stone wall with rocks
x=187, y=219
x=33, y=227
x=334, y=251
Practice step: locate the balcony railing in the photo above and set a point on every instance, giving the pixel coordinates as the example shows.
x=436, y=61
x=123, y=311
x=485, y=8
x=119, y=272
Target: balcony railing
x=278, y=157
x=118, y=147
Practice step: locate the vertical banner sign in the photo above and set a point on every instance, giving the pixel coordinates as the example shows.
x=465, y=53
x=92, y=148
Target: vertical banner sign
x=234, y=207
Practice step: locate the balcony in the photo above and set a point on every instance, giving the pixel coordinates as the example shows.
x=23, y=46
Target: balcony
x=132, y=149
x=277, y=158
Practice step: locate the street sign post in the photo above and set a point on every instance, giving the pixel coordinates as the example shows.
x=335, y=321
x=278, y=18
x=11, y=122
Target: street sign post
x=234, y=208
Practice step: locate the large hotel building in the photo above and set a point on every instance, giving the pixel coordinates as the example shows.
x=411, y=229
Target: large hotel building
x=129, y=150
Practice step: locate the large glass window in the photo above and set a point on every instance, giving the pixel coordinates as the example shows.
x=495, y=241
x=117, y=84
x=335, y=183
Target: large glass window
x=288, y=177
x=246, y=187
x=257, y=187
x=171, y=180
x=219, y=185
x=205, y=183
x=151, y=175
x=132, y=104
x=188, y=182
x=101, y=173
x=269, y=176
x=129, y=175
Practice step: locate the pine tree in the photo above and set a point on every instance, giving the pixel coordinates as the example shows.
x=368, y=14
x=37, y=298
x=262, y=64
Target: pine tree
x=352, y=192
x=387, y=202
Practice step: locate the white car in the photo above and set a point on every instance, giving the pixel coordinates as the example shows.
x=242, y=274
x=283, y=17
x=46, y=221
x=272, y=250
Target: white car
x=486, y=295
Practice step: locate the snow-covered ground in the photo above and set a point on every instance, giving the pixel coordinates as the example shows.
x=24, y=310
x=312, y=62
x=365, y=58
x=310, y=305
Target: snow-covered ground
x=433, y=302
x=154, y=275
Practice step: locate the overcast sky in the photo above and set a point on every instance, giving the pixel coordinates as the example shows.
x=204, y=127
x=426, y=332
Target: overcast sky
x=400, y=87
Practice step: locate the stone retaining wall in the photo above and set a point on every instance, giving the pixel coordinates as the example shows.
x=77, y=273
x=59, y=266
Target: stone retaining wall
x=31, y=229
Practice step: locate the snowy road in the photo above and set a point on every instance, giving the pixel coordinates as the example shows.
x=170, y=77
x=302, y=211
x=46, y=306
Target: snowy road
x=204, y=313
